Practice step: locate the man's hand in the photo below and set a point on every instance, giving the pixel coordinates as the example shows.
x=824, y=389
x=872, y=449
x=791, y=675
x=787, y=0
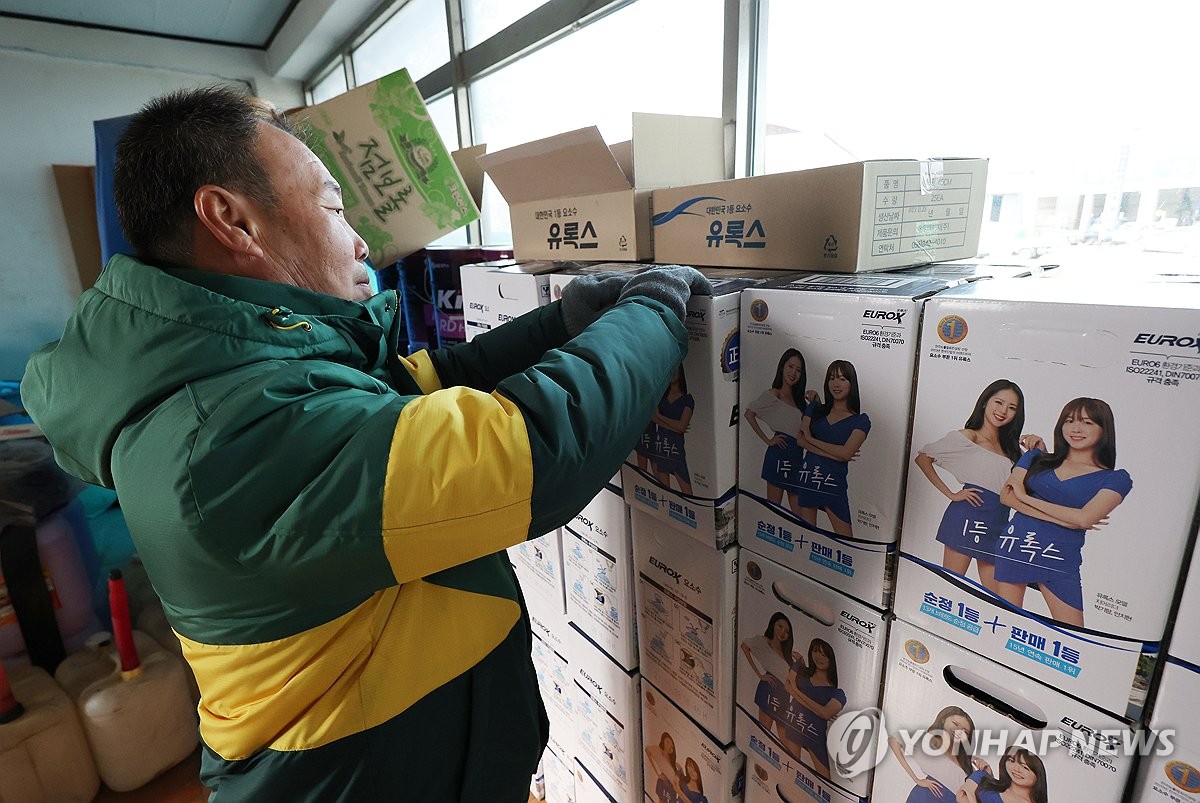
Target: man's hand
x=670, y=285
x=586, y=298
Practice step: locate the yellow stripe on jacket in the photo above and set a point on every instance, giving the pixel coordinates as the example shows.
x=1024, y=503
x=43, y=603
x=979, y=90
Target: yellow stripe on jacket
x=344, y=676
x=476, y=503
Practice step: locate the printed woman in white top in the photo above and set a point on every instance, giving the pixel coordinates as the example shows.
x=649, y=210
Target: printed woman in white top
x=980, y=456
x=770, y=658
x=939, y=772
x=780, y=409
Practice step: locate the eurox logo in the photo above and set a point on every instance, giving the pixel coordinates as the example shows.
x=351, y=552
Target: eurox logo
x=696, y=314
x=896, y=315
x=863, y=623
x=1170, y=341
x=665, y=569
x=859, y=740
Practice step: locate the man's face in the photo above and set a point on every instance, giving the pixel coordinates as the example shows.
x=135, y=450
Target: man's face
x=306, y=239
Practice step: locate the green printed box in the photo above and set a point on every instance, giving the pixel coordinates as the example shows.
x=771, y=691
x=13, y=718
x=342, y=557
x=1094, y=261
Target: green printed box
x=401, y=187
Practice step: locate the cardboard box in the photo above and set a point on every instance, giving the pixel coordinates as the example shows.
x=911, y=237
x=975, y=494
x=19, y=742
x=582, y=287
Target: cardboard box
x=558, y=768
x=1077, y=751
x=445, y=265
x=772, y=776
x=608, y=725
x=687, y=607
x=689, y=479
x=538, y=563
x=1110, y=581
x=786, y=492
x=1169, y=771
x=846, y=218
x=677, y=752
x=961, y=271
x=552, y=664
x=571, y=195
x=788, y=626
x=1185, y=633
x=598, y=569
x=498, y=291
x=400, y=186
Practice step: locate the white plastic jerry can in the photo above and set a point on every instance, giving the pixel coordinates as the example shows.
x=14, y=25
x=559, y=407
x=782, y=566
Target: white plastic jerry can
x=153, y=621
x=140, y=718
x=44, y=756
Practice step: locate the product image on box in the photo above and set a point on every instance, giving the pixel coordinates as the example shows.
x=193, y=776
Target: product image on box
x=686, y=600
x=598, y=570
x=684, y=467
x=960, y=727
x=1049, y=510
x=538, y=564
x=683, y=764
x=772, y=776
x=826, y=378
x=607, y=723
x=807, y=653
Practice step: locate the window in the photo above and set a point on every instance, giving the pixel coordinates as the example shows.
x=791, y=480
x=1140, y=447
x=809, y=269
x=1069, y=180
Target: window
x=485, y=18
x=415, y=37
x=1085, y=130
x=332, y=85
x=644, y=58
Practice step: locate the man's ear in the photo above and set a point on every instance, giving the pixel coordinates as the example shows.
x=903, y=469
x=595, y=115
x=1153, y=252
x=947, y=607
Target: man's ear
x=230, y=217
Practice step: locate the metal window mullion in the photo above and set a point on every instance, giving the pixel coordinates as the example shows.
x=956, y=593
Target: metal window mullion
x=745, y=49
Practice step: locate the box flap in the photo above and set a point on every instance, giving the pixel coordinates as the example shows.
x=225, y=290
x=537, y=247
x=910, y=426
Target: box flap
x=467, y=161
x=671, y=150
x=574, y=163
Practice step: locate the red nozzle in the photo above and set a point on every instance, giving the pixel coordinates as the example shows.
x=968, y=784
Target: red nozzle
x=118, y=603
x=10, y=709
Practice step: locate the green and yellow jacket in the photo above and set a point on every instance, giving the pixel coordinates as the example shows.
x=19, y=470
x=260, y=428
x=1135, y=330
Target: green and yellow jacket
x=324, y=519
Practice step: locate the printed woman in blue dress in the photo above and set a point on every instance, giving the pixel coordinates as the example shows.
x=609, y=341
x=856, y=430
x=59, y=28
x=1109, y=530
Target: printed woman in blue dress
x=816, y=699
x=941, y=769
x=781, y=409
x=770, y=658
x=672, y=418
x=661, y=760
x=981, y=457
x=1056, y=498
x=831, y=433
x=1022, y=780
x=690, y=784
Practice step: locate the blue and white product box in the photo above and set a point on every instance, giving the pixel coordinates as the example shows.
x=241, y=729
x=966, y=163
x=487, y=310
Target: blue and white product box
x=558, y=768
x=538, y=563
x=1071, y=581
x=1170, y=771
x=497, y=292
x=682, y=762
x=1185, y=638
x=598, y=568
x=551, y=663
x=684, y=468
x=957, y=722
x=807, y=654
x=608, y=725
x=687, y=610
x=773, y=776
x=826, y=388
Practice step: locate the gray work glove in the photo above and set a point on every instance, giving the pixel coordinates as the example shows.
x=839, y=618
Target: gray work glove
x=585, y=298
x=671, y=285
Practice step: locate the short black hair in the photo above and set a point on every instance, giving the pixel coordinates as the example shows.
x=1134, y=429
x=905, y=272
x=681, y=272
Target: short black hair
x=176, y=144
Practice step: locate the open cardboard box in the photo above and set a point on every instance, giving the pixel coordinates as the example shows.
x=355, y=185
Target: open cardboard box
x=571, y=196
x=400, y=186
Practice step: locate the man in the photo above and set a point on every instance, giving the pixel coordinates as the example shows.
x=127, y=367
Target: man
x=324, y=519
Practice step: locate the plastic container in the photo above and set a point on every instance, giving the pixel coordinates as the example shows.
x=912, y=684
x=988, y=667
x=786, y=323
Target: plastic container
x=44, y=756
x=153, y=621
x=67, y=582
x=139, y=719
